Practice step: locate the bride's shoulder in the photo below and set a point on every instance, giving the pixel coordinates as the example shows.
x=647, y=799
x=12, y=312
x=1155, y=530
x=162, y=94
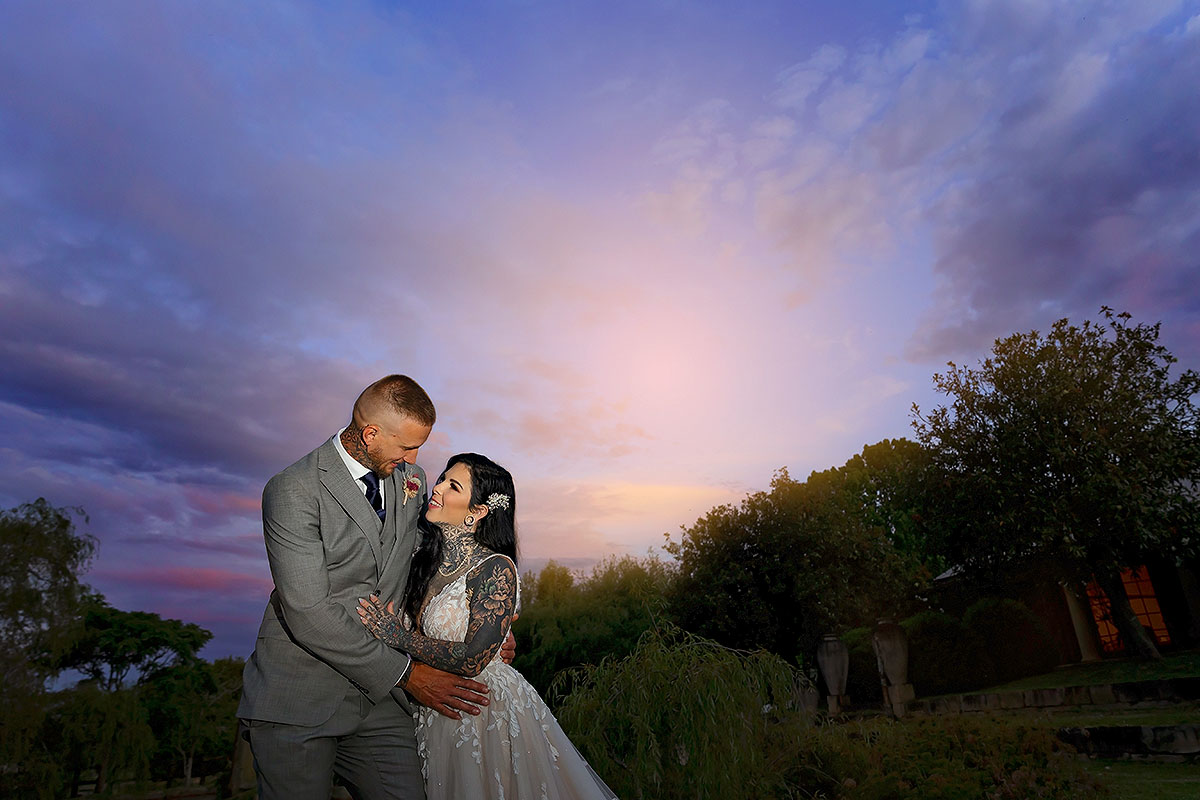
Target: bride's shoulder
x=492, y=563
x=496, y=575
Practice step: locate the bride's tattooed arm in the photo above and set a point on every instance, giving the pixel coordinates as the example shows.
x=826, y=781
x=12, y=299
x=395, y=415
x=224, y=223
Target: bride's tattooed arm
x=493, y=593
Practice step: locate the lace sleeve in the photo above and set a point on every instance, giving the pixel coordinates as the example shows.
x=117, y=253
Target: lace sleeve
x=492, y=587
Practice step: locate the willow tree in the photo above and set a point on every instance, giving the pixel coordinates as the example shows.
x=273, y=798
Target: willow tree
x=1075, y=449
x=42, y=556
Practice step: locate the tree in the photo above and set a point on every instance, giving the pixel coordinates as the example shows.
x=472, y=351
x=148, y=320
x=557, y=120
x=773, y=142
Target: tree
x=192, y=708
x=103, y=730
x=107, y=718
x=42, y=556
x=1073, y=452
x=885, y=486
x=890, y=477
x=114, y=643
x=565, y=623
x=787, y=566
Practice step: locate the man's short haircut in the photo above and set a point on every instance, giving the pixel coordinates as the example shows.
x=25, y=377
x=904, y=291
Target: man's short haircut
x=401, y=394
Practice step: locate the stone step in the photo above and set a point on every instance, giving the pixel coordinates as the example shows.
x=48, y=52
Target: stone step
x=1175, y=742
x=1160, y=692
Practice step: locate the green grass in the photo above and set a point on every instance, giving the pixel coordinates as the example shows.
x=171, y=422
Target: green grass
x=1078, y=717
x=1142, y=780
x=1083, y=717
x=1123, y=670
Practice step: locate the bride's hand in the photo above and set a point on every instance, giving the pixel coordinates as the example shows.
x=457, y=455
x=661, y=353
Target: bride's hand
x=383, y=621
x=508, y=650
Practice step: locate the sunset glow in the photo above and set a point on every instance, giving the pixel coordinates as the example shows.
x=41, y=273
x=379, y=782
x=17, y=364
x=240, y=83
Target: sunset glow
x=643, y=254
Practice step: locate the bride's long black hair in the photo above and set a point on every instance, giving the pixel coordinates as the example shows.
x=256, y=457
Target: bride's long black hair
x=497, y=531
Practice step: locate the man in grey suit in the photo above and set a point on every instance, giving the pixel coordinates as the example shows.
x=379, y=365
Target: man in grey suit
x=321, y=694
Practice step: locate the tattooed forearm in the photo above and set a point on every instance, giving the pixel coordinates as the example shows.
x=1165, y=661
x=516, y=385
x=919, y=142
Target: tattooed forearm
x=449, y=656
x=493, y=595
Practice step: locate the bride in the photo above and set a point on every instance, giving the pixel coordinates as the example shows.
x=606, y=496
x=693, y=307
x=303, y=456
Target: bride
x=462, y=592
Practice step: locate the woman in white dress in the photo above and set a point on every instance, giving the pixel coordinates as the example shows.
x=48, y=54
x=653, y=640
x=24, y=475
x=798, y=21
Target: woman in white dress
x=463, y=593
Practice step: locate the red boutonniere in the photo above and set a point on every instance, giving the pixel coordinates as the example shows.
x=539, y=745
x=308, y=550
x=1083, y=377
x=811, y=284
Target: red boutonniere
x=412, y=487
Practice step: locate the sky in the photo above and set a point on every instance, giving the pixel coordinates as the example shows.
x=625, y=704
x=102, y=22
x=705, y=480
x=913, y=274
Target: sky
x=644, y=254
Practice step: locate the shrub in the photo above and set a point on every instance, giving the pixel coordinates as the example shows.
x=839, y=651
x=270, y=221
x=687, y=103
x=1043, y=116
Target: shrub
x=945, y=656
x=683, y=717
x=939, y=758
x=1017, y=641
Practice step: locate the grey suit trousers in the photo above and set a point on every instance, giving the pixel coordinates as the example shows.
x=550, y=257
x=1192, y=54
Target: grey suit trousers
x=370, y=747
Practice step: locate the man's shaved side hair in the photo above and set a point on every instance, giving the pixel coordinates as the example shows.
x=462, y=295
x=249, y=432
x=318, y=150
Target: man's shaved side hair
x=395, y=394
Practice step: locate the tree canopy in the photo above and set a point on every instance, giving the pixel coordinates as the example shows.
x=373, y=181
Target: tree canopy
x=114, y=643
x=41, y=557
x=565, y=622
x=1074, y=451
x=789, y=565
x=885, y=488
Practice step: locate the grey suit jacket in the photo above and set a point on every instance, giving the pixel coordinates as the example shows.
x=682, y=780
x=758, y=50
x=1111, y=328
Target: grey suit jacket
x=323, y=545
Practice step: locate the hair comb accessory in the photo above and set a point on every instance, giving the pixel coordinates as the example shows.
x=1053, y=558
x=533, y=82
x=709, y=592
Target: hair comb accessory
x=497, y=500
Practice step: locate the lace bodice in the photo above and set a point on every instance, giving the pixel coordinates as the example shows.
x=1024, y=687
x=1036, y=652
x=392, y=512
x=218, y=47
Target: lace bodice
x=448, y=613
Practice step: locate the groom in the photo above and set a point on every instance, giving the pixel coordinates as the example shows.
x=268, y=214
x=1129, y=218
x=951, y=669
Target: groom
x=321, y=695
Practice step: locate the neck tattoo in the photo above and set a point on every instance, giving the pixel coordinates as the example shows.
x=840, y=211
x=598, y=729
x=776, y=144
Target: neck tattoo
x=355, y=448
x=459, y=549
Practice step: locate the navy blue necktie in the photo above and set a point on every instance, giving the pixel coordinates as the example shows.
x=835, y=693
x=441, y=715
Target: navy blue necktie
x=373, y=495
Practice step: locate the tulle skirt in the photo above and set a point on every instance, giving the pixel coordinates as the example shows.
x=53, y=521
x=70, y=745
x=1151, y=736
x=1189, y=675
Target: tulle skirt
x=513, y=750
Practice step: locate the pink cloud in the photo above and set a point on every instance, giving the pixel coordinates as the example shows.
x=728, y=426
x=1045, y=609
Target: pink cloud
x=198, y=579
x=211, y=501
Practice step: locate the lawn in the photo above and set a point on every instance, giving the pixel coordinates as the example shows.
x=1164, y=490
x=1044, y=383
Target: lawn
x=1128, y=780
x=1083, y=717
x=1139, y=780
x=1118, y=670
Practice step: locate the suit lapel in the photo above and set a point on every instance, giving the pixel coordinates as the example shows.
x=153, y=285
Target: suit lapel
x=336, y=478
x=398, y=514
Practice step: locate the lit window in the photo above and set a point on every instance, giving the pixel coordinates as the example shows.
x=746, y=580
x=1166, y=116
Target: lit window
x=1143, y=601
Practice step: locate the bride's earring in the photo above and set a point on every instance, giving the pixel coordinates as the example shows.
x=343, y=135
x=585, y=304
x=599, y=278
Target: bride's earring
x=469, y=521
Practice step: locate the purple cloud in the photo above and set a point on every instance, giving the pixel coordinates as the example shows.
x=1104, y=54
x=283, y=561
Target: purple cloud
x=1083, y=191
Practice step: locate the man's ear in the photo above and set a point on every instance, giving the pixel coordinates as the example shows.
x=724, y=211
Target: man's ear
x=369, y=432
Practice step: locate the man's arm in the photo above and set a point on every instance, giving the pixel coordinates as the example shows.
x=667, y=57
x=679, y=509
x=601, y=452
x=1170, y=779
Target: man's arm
x=323, y=627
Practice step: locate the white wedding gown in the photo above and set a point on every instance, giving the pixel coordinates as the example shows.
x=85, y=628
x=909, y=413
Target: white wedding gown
x=514, y=749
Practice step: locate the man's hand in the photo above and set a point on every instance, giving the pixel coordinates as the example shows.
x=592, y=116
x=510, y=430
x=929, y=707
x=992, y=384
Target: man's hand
x=445, y=692
x=508, y=650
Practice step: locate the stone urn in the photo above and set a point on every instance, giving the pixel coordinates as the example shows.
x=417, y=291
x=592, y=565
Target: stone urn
x=891, y=652
x=833, y=659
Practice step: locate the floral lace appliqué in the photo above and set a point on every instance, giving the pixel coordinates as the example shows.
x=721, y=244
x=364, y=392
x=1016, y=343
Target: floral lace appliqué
x=514, y=748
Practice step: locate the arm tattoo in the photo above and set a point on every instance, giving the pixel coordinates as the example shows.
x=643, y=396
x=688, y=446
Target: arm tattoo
x=493, y=593
x=388, y=627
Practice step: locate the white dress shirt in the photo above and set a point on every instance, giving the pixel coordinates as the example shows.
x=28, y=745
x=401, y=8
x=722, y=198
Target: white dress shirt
x=357, y=470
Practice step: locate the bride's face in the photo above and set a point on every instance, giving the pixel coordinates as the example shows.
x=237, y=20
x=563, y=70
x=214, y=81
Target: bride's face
x=451, y=499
